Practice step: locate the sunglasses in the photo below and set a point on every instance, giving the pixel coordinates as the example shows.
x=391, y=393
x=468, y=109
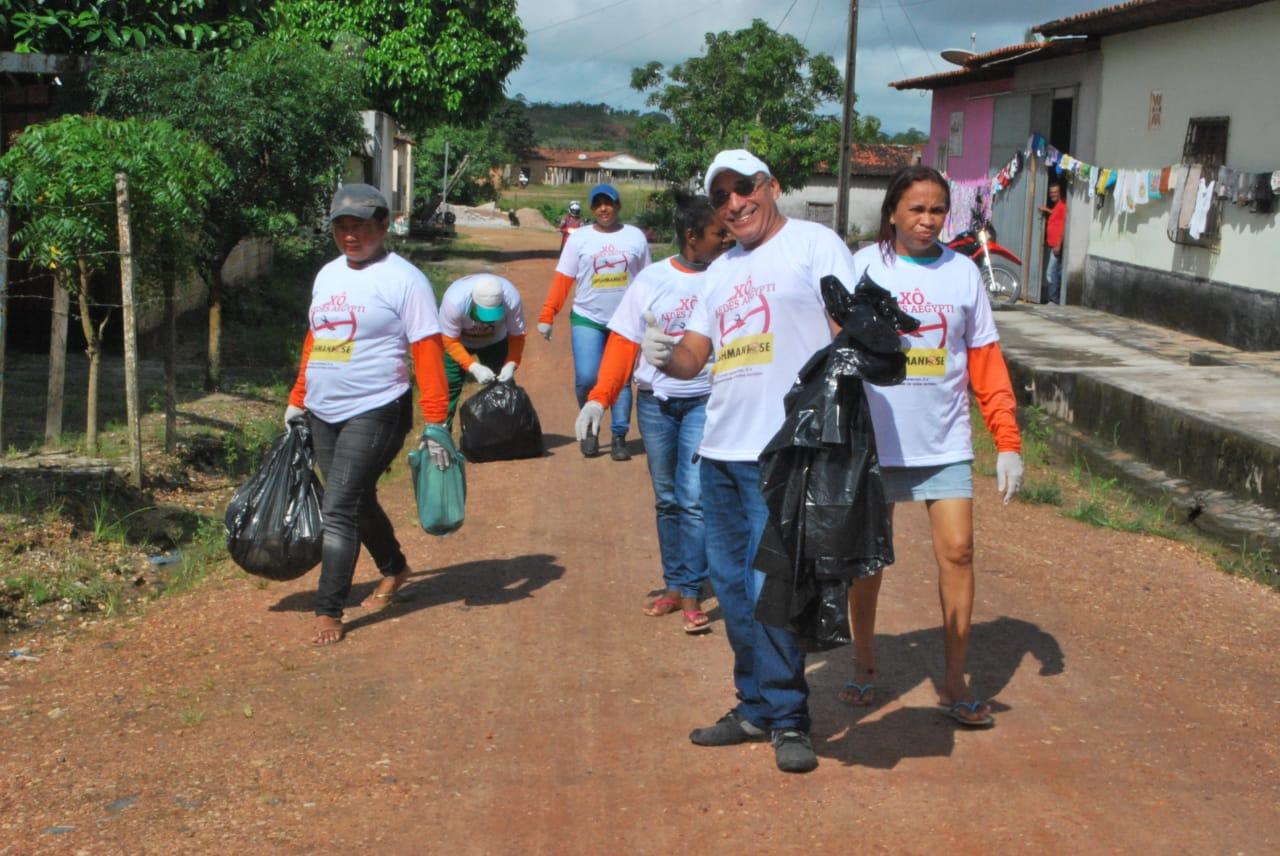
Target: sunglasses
x=743, y=186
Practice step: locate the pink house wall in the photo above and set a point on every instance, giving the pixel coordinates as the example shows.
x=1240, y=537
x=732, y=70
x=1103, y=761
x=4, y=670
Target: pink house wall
x=975, y=158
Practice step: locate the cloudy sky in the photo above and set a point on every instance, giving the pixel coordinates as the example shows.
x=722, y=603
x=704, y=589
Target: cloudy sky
x=584, y=50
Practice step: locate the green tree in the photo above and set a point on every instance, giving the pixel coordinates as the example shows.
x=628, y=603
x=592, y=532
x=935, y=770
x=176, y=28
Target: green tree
x=63, y=178
x=754, y=87
x=425, y=61
x=94, y=26
x=284, y=117
x=910, y=137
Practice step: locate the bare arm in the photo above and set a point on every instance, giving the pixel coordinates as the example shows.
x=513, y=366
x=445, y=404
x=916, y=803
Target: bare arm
x=688, y=357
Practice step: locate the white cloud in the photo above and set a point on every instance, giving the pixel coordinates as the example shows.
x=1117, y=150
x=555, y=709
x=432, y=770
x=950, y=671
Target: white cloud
x=584, y=51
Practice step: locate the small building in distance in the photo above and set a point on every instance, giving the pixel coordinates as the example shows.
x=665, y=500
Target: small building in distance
x=870, y=167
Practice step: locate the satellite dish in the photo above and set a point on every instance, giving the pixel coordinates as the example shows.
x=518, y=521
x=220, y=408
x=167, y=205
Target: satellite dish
x=957, y=56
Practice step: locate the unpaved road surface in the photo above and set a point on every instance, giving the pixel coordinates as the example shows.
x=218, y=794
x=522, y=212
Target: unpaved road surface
x=520, y=702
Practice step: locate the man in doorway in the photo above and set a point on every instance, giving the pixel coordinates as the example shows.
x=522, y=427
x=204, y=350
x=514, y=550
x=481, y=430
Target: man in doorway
x=1055, y=226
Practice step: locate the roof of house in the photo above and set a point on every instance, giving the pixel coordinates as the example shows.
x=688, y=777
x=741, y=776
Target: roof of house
x=573, y=158
x=997, y=64
x=1071, y=35
x=876, y=159
x=1137, y=14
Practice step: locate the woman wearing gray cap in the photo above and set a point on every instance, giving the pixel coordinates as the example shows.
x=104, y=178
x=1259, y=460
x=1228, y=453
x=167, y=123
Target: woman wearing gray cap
x=370, y=309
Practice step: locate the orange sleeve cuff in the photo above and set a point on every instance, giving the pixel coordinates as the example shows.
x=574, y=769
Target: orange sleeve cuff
x=989, y=377
x=615, y=369
x=515, y=348
x=428, y=368
x=298, y=397
x=561, y=285
x=460, y=355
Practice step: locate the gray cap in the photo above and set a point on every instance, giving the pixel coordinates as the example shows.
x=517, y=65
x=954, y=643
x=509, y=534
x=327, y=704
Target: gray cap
x=357, y=200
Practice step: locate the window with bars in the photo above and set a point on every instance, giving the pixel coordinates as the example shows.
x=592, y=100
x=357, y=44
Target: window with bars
x=1205, y=147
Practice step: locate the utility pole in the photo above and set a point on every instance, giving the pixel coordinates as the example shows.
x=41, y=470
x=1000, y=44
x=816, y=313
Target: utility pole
x=846, y=128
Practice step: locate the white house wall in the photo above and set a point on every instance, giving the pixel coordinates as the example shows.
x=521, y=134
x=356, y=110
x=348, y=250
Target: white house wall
x=865, y=195
x=1211, y=66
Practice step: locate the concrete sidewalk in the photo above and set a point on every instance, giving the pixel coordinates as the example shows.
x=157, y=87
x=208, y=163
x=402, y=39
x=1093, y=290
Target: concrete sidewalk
x=1188, y=419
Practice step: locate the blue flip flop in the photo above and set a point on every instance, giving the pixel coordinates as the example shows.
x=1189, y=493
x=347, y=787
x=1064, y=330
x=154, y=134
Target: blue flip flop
x=955, y=711
x=862, y=690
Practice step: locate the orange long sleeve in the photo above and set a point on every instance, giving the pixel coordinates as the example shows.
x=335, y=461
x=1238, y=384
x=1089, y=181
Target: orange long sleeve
x=515, y=348
x=455, y=349
x=989, y=377
x=298, y=397
x=615, y=369
x=561, y=285
x=428, y=368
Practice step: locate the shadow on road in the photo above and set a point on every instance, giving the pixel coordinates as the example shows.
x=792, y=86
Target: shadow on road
x=905, y=661
x=484, y=583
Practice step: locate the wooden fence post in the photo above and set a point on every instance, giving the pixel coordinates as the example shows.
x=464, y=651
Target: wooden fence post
x=130, y=330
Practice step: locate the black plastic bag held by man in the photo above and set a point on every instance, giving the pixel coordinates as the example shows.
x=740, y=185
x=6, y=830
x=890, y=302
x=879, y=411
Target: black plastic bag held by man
x=820, y=476
x=273, y=522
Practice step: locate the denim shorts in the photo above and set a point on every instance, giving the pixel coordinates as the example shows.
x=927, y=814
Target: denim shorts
x=917, y=484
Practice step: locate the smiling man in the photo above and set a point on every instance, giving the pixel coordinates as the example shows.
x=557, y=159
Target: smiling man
x=762, y=315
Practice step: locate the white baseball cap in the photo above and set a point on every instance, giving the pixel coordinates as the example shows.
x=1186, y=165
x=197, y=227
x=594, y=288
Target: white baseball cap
x=740, y=161
x=487, y=298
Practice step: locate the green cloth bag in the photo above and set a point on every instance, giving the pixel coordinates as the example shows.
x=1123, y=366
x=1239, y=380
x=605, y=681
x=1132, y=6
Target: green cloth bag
x=441, y=494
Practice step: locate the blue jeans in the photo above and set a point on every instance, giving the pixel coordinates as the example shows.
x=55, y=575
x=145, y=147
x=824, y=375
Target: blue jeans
x=1053, y=277
x=588, y=348
x=351, y=456
x=672, y=430
x=768, y=664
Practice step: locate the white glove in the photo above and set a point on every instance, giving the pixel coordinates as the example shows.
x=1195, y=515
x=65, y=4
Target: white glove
x=545, y=329
x=291, y=413
x=1008, y=474
x=657, y=346
x=439, y=454
x=482, y=373
x=588, y=423
x=507, y=373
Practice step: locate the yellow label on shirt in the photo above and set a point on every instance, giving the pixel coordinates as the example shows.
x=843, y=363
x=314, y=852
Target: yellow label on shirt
x=332, y=350
x=754, y=350
x=927, y=362
x=609, y=280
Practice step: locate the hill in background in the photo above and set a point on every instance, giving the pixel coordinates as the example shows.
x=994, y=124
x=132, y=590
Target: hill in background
x=587, y=126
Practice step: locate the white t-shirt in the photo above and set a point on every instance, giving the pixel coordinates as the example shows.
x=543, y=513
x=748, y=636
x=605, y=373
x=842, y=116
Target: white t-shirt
x=762, y=309
x=456, y=321
x=603, y=263
x=362, y=323
x=924, y=421
x=670, y=292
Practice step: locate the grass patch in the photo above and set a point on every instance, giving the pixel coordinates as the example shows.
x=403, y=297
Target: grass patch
x=1101, y=501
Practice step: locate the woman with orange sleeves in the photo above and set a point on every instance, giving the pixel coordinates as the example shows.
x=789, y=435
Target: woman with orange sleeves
x=482, y=318
x=370, y=309
x=670, y=411
x=922, y=426
x=597, y=264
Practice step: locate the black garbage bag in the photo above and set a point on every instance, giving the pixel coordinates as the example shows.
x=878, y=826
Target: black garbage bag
x=500, y=424
x=273, y=522
x=820, y=475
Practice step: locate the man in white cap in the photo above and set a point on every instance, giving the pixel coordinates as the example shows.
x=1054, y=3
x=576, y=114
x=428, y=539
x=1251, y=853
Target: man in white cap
x=482, y=319
x=762, y=316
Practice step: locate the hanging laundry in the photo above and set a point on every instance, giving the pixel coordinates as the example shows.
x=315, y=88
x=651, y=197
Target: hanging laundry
x=1225, y=180
x=1263, y=198
x=1104, y=180
x=1200, y=216
x=1153, y=185
x=1189, y=183
x=1166, y=179
x=1242, y=193
x=1275, y=182
x=1141, y=187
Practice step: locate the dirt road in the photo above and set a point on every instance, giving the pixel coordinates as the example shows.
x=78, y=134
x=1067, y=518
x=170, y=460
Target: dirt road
x=519, y=701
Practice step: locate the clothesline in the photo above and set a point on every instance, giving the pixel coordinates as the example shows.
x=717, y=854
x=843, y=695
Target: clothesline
x=1127, y=187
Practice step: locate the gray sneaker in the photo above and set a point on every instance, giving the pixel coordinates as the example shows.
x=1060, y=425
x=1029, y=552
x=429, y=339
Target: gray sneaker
x=729, y=730
x=792, y=751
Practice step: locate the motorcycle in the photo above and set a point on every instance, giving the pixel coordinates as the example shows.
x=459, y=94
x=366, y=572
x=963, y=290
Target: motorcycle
x=1001, y=270
x=568, y=225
